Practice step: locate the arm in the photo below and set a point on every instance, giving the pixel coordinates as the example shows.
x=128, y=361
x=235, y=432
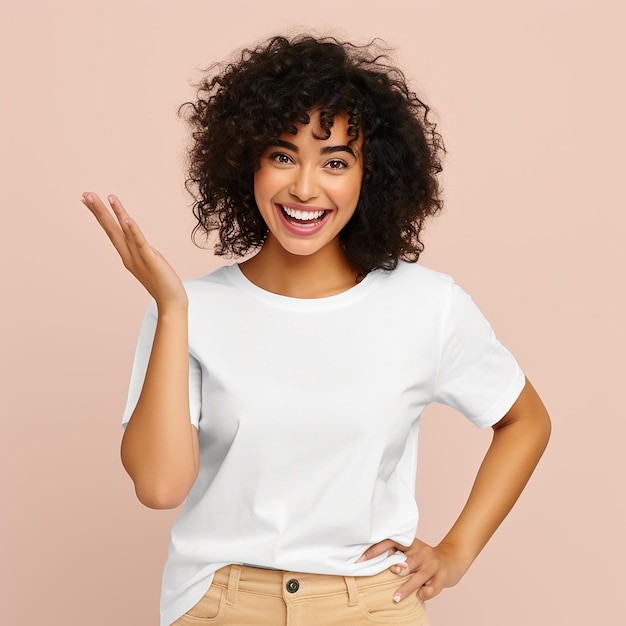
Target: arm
x=519, y=440
x=160, y=445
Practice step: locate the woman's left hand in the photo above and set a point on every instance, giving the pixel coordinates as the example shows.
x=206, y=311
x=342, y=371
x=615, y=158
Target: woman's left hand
x=427, y=569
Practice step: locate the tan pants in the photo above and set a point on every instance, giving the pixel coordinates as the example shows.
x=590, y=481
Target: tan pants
x=249, y=596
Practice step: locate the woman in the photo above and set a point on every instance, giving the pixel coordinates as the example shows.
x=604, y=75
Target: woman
x=280, y=397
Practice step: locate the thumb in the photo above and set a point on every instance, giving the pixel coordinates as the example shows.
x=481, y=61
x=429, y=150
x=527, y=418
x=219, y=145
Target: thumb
x=427, y=591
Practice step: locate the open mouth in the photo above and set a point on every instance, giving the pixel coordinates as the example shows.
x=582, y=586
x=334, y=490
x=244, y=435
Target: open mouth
x=298, y=217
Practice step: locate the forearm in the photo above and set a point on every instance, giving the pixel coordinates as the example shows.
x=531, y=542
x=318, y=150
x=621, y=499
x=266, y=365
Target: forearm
x=519, y=440
x=518, y=443
x=159, y=447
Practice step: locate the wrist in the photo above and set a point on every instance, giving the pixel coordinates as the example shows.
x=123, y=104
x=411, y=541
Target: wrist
x=461, y=555
x=173, y=309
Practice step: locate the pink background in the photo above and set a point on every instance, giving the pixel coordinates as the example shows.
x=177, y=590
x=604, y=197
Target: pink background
x=530, y=98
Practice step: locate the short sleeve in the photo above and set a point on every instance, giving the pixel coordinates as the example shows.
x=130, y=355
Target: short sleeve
x=477, y=375
x=140, y=365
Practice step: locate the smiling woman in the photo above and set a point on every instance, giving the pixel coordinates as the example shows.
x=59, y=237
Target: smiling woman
x=281, y=396
x=306, y=189
x=270, y=94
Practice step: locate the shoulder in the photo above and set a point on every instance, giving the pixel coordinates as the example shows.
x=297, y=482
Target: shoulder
x=412, y=292
x=417, y=271
x=220, y=275
x=214, y=296
x=217, y=280
x=418, y=279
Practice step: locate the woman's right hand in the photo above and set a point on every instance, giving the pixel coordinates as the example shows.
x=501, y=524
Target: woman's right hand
x=145, y=263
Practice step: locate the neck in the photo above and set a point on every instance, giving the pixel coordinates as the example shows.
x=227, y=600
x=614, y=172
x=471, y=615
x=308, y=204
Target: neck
x=325, y=273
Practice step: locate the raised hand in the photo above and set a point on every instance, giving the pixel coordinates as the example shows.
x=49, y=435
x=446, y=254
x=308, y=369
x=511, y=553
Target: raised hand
x=145, y=263
x=428, y=570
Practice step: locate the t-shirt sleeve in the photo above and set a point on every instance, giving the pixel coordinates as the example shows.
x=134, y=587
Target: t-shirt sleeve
x=477, y=375
x=140, y=365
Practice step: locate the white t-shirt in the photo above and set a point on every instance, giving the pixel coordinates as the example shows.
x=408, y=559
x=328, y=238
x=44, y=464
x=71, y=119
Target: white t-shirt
x=308, y=413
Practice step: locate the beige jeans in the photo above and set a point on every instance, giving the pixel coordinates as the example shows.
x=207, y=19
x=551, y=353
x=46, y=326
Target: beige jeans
x=242, y=596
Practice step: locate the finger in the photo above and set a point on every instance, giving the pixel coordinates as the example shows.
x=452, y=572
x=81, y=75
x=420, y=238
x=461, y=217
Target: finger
x=106, y=221
x=141, y=252
x=132, y=233
x=129, y=225
x=416, y=555
x=138, y=251
x=379, y=548
x=402, y=569
x=118, y=209
x=117, y=228
x=413, y=584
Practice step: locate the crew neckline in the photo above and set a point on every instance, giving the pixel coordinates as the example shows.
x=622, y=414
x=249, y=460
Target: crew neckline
x=326, y=302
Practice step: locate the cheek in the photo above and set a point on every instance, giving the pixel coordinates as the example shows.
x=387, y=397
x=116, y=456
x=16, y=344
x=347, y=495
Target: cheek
x=267, y=183
x=349, y=193
x=259, y=185
x=264, y=192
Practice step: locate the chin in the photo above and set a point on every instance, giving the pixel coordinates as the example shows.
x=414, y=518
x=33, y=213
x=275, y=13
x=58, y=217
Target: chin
x=301, y=250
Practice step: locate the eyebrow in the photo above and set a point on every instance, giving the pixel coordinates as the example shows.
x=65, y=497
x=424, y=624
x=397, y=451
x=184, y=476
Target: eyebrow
x=327, y=150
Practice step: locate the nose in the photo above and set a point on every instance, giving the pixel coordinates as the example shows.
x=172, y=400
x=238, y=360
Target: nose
x=304, y=185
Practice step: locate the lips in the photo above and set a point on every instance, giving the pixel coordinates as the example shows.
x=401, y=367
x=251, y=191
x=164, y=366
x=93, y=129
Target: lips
x=302, y=215
x=301, y=220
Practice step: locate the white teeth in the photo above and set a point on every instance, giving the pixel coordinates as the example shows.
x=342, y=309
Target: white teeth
x=302, y=215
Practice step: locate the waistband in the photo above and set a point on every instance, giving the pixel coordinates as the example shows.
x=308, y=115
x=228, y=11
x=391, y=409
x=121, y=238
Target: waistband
x=293, y=586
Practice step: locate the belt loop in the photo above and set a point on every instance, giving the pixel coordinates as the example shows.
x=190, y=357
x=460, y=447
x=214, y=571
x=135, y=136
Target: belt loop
x=233, y=585
x=353, y=594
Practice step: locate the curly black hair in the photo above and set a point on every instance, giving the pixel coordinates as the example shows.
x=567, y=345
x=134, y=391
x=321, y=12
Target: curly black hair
x=244, y=106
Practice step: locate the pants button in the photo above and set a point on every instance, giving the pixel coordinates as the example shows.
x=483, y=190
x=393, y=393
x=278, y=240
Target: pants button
x=292, y=585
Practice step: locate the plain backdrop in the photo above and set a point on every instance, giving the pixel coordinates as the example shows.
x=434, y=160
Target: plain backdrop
x=530, y=99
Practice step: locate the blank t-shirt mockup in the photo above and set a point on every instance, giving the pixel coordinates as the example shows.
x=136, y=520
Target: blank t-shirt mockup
x=308, y=413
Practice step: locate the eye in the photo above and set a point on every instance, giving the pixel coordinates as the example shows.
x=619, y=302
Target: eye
x=281, y=157
x=336, y=164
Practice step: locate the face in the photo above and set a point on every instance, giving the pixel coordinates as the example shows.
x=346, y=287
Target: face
x=307, y=189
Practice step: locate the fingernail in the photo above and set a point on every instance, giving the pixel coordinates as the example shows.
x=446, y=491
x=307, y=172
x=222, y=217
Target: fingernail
x=111, y=199
x=397, y=598
x=361, y=559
